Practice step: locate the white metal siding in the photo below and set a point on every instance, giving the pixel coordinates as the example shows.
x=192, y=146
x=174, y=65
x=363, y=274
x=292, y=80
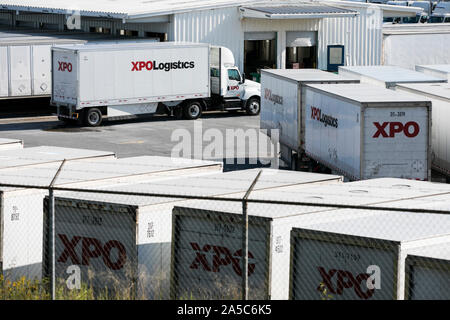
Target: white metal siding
x=4, y=81
x=20, y=70
x=361, y=35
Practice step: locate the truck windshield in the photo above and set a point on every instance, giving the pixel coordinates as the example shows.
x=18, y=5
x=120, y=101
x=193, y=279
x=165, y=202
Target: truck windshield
x=234, y=74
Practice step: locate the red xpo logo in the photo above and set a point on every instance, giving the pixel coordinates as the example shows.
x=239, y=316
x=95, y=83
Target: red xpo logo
x=346, y=280
x=410, y=129
x=222, y=257
x=165, y=66
x=92, y=248
x=64, y=66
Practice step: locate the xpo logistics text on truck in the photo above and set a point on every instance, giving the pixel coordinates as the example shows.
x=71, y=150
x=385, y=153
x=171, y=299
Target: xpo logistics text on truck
x=121, y=81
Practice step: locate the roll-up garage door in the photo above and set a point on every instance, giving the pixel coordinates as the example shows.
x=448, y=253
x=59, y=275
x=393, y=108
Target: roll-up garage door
x=301, y=39
x=258, y=36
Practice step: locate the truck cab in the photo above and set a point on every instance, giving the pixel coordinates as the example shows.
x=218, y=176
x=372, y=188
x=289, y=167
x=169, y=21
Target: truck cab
x=229, y=88
x=441, y=13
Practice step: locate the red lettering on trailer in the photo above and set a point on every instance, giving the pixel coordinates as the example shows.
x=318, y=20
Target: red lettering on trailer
x=63, y=66
x=222, y=257
x=92, y=248
x=345, y=280
x=396, y=127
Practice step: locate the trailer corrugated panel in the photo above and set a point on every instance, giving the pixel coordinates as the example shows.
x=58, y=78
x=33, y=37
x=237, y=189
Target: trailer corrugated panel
x=282, y=101
x=25, y=56
x=362, y=258
x=22, y=210
x=365, y=132
x=221, y=222
x=388, y=76
x=441, y=71
x=10, y=144
x=427, y=273
x=439, y=95
x=154, y=215
x=144, y=73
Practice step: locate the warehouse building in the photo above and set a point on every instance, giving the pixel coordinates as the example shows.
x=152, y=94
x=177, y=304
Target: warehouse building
x=267, y=34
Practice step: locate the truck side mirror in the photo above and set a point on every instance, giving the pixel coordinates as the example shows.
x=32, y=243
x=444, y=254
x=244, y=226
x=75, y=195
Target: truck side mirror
x=243, y=78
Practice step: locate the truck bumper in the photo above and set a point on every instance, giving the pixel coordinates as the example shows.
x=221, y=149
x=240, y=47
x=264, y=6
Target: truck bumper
x=67, y=112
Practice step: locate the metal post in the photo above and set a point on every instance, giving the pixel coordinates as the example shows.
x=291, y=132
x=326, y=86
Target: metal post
x=51, y=211
x=244, y=251
x=245, y=239
x=51, y=229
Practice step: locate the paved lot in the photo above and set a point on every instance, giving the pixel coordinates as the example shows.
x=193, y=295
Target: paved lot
x=153, y=137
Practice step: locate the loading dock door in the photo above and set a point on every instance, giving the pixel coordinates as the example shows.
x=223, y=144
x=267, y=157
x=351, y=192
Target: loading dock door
x=301, y=49
x=260, y=51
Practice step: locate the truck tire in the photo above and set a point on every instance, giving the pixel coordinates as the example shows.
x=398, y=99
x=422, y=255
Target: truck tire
x=253, y=106
x=192, y=110
x=92, y=117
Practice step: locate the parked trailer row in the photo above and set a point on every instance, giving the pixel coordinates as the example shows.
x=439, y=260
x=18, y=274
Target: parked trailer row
x=387, y=76
x=441, y=71
x=25, y=60
x=22, y=211
x=92, y=82
x=10, y=144
x=142, y=226
x=439, y=95
x=203, y=231
x=283, y=106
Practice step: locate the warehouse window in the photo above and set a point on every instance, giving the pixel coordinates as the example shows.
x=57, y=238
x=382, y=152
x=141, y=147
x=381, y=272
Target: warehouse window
x=161, y=36
x=100, y=30
x=128, y=33
x=259, y=53
x=301, y=49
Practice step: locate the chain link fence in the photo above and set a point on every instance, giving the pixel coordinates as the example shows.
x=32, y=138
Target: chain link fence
x=309, y=242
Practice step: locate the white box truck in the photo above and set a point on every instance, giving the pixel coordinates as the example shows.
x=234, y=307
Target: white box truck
x=283, y=107
x=10, y=144
x=91, y=82
x=207, y=235
x=364, y=131
x=439, y=95
x=387, y=76
x=441, y=71
x=22, y=212
x=142, y=226
x=361, y=258
x=25, y=60
x=427, y=273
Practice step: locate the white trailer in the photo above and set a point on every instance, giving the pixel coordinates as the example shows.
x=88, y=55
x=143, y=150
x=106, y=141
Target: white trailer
x=10, y=144
x=21, y=209
x=142, y=226
x=387, y=76
x=117, y=81
x=441, y=71
x=205, y=232
x=439, y=95
x=427, y=273
x=283, y=106
x=362, y=258
x=25, y=60
x=364, y=131
x=47, y=154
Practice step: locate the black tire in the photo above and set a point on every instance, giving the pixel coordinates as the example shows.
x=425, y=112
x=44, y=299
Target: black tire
x=192, y=110
x=253, y=107
x=92, y=117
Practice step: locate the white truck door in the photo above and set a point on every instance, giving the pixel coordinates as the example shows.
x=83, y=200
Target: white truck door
x=235, y=89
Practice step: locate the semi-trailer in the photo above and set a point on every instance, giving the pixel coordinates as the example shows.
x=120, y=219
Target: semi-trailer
x=92, y=82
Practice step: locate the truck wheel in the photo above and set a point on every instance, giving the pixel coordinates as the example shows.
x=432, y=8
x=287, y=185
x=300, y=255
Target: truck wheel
x=93, y=117
x=253, y=107
x=193, y=110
